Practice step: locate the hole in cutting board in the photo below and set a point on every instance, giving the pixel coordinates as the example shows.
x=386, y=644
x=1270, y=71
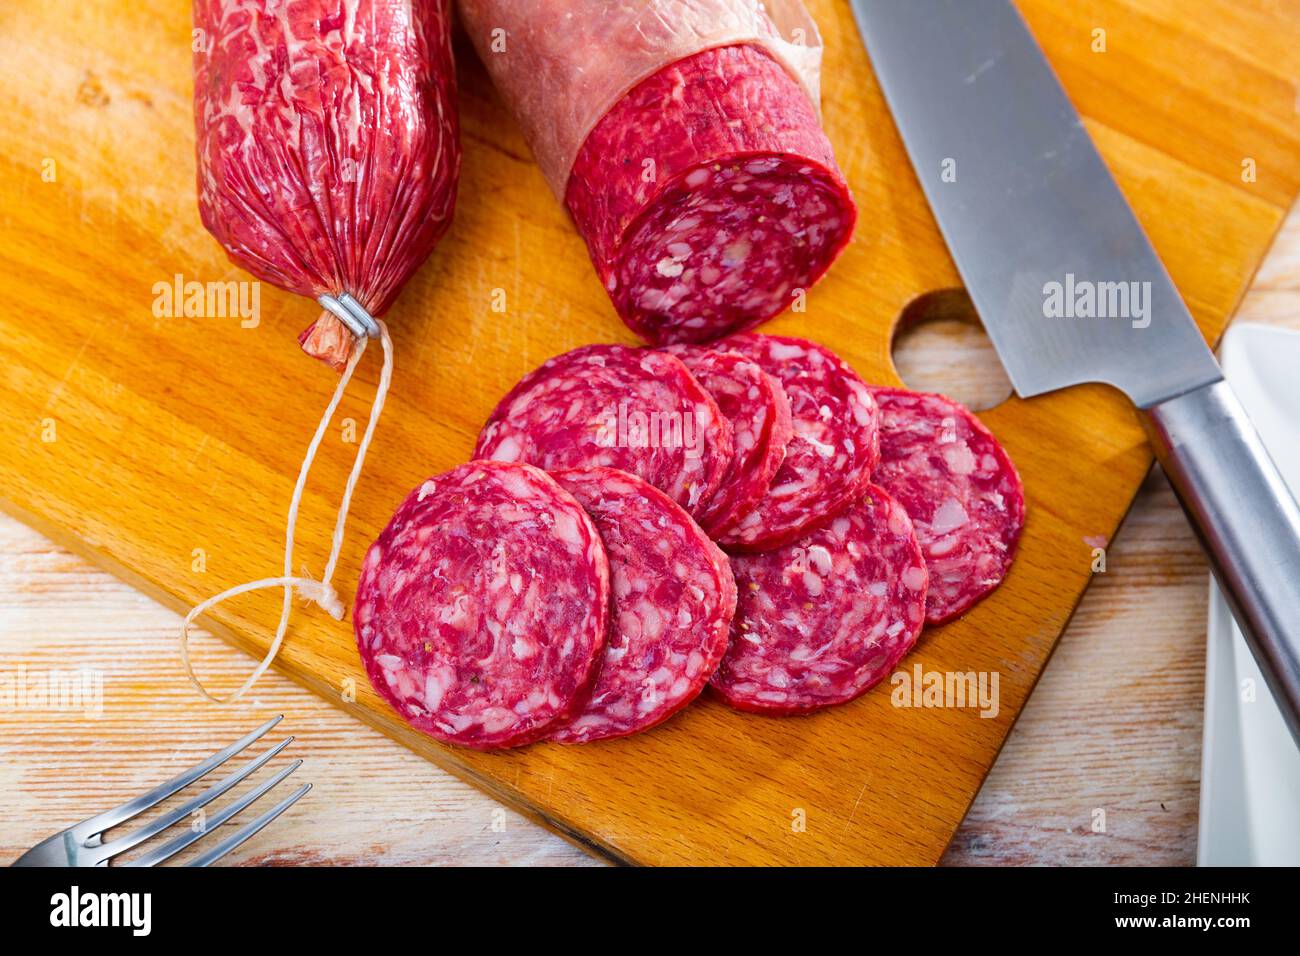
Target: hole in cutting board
x=939, y=345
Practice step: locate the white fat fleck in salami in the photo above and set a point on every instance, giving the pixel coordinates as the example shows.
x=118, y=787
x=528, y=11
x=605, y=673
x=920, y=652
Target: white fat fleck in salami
x=961, y=490
x=674, y=598
x=821, y=620
x=832, y=452
x=617, y=407
x=756, y=405
x=482, y=608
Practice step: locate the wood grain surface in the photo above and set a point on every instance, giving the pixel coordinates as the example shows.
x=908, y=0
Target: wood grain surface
x=1084, y=741
x=176, y=435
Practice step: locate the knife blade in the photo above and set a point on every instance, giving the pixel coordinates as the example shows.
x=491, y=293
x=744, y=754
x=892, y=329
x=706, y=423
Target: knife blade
x=1070, y=290
x=1024, y=201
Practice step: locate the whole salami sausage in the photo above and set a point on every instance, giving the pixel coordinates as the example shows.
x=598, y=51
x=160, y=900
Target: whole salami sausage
x=835, y=446
x=756, y=405
x=482, y=607
x=674, y=597
x=328, y=149
x=961, y=490
x=611, y=405
x=823, y=619
x=684, y=138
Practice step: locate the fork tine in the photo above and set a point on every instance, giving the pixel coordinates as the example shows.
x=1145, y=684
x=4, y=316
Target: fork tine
x=154, y=827
x=249, y=829
x=175, y=845
x=111, y=818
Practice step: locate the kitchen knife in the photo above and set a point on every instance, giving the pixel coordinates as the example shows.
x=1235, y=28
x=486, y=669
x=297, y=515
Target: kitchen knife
x=1070, y=290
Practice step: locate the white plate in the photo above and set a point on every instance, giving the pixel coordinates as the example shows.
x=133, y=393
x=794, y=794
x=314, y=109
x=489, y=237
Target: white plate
x=1250, y=766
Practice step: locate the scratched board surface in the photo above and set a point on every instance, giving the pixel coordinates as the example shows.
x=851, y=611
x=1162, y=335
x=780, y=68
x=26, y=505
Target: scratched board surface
x=165, y=447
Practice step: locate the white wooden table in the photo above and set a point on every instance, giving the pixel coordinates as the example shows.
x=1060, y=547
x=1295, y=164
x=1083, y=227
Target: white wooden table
x=1112, y=732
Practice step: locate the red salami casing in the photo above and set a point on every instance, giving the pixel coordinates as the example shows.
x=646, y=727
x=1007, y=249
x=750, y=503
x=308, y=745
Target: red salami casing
x=328, y=145
x=684, y=137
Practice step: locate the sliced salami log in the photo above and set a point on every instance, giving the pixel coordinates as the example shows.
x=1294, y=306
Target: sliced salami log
x=482, y=608
x=961, y=490
x=756, y=405
x=708, y=197
x=618, y=407
x=833, y=450
x=674, y=598
x=684, y=137
x=820, y=621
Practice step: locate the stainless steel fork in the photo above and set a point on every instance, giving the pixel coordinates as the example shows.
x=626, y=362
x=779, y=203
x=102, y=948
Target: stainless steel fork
x=82, y=844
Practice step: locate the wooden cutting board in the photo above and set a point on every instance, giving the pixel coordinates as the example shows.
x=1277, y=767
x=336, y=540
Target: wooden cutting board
x=166, y=448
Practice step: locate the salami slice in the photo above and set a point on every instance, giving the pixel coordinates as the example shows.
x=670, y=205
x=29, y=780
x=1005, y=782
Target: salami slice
x=674, y=597
x=961, y=490
x=821, y=620
x=759, y=412
x=482, y=608
x=833, y=450
x=619, y=407
x=709, y=197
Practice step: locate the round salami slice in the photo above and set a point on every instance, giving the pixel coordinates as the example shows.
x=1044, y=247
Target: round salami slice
x=833, y=450
x=756, y=405
x=674, y=597
x=482, y=608
x=709, y=196
x=961, y=490
x=820, y=621
x=618, y=407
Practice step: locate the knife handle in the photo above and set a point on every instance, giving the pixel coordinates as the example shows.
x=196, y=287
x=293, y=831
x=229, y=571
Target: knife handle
x=1247, y=520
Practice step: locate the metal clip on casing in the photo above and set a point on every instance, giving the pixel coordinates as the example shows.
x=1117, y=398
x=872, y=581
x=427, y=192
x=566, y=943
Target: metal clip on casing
x=350, y=312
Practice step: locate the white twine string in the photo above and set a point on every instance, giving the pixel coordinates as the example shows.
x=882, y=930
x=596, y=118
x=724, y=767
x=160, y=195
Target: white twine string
x=321, y=592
